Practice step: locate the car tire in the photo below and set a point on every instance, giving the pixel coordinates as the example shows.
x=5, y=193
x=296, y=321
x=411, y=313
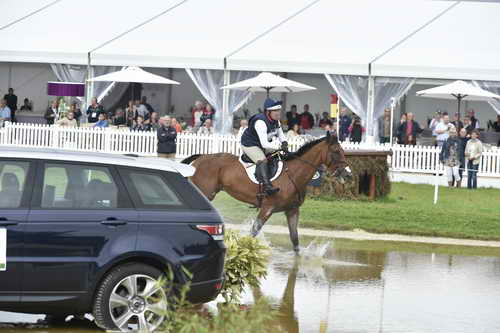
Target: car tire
x=123, y=293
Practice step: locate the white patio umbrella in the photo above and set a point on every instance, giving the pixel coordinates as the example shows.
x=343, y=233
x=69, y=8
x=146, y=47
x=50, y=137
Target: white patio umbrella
x=133, y=74
x=459, y=90
x=265, y=82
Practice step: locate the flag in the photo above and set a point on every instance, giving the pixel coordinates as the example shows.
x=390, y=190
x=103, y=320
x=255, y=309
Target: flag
x=334, y=106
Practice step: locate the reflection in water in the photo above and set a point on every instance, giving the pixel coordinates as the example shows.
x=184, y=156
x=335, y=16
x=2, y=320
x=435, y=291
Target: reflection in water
x=360, y=286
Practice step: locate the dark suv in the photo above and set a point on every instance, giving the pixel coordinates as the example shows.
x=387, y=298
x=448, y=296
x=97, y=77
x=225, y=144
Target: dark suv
x=91, y=233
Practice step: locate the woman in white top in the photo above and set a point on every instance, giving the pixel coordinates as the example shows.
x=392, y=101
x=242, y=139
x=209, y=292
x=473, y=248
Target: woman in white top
x=294, y=131
x=473, y=152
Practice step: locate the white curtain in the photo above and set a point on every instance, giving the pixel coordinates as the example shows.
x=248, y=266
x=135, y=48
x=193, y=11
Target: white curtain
x=385, y=90
x=353, y=91
x=209, y=82
x=107, y=93
x=493, y=87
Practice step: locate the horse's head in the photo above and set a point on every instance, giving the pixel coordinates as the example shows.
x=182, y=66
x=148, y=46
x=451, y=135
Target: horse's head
x=335, y=159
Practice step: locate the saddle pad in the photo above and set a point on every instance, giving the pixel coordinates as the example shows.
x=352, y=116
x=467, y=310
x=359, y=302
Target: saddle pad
x=250, y=170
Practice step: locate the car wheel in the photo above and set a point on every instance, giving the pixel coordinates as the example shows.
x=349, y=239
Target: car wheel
x=130, y=299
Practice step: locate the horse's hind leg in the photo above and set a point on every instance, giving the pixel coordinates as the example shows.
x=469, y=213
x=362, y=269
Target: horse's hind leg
x=264, y=214
x=292, y=217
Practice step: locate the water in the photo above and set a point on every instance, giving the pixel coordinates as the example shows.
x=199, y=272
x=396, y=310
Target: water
x=368, y=286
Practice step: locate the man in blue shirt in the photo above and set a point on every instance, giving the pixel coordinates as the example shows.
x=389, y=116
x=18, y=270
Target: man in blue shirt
x=5, y=112
x=345, y=122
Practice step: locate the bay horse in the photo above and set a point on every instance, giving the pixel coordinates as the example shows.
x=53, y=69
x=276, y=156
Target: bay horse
x=223, y=171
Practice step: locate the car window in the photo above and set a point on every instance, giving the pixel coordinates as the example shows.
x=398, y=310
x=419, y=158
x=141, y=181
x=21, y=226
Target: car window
x=78, y=187
x=153, y=190
x=12, y=179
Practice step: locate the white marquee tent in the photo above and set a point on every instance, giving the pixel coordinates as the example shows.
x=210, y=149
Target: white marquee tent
x=389, y=38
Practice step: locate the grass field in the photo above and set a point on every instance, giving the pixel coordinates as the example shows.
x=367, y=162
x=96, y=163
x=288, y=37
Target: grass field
x=459, y=213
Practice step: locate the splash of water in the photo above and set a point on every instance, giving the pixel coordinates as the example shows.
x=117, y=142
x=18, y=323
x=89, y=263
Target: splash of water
x=316, y=249
x=261, y=237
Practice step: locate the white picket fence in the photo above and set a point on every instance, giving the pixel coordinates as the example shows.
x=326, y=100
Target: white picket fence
x=419, y=159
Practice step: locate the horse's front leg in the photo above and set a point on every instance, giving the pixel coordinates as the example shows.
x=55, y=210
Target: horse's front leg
x=292, y=217
x=264, y=214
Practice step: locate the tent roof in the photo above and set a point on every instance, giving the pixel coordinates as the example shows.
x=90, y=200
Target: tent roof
x=398, y=38
x=340, y=37
x=67, y=30
x=198, y=34
x=459, y=45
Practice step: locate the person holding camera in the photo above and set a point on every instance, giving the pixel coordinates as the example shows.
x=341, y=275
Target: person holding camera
x=442, y=130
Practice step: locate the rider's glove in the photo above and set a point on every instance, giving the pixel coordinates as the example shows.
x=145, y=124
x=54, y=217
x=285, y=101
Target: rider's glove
x=284, y=147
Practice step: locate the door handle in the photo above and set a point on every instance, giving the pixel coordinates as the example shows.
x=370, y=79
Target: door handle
x=5, y=222
x=113, y=222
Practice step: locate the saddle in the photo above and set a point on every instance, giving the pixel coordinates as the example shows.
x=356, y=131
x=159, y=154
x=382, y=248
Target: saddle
x=275, y=166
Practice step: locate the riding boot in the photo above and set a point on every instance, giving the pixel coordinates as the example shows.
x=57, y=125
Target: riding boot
x=263, y=176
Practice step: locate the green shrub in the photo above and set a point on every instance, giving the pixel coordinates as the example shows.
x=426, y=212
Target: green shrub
x=246, y=262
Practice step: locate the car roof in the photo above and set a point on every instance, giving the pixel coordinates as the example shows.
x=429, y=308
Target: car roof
x=153, y=163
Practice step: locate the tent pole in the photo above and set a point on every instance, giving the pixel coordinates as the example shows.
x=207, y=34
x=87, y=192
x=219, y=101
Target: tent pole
x=369, y=137
x=226, y=116
x=393, y=104
x=459, y=97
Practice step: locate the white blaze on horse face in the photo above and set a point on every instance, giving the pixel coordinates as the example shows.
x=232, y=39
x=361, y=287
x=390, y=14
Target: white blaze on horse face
x=348, y=169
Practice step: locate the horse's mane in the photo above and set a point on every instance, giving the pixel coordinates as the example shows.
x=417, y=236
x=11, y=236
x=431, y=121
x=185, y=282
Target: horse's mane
x=304, y=149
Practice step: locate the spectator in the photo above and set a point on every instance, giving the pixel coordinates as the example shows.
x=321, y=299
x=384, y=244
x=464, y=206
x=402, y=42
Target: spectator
x=11, y=100
x=409, y=130
x=208, y=113
x=345, y=122
x=306, y=119
x=140, y=126
x=450, y=156
x=442, y=130
x=384, y=127
x=77, y=113
x=473, y=152
x=293, y=132
x=496, y=128
x=197, y=112
x=457, y=123
x=147, y=105
x=356, y=130
x=243, y=127
x=141, y=110
x=292, y=117
x=474, y=121
x=176, y=125
x=167, y=136
x=94, y=110
x=462, y=136
x=102, y=121
x=154, y=123
x=5, y=112
x=27, y=106
x=68, y=121
x=432, y=125
x=468, y=125
x=119, y=119
x=52, y=113
x=399, y=133
x=325, y=120
x=207, y=128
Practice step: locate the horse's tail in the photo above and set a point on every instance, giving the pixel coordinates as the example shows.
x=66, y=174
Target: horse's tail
x=190, y=159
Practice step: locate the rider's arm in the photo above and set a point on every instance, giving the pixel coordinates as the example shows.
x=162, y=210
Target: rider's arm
x=261, y=128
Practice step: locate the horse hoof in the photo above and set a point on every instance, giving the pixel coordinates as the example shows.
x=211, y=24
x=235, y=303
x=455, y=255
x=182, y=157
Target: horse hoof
x=296, y=249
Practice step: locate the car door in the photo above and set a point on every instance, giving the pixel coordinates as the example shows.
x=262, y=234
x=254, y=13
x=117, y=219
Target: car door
x=16, y=181
x=81, y=219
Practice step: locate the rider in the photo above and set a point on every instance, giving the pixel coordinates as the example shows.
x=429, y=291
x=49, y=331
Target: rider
x=264, y=136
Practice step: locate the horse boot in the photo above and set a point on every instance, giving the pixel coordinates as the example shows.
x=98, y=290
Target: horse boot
x=263, y=172
x=450, y=184
x=459, y=183
x=256, y=226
